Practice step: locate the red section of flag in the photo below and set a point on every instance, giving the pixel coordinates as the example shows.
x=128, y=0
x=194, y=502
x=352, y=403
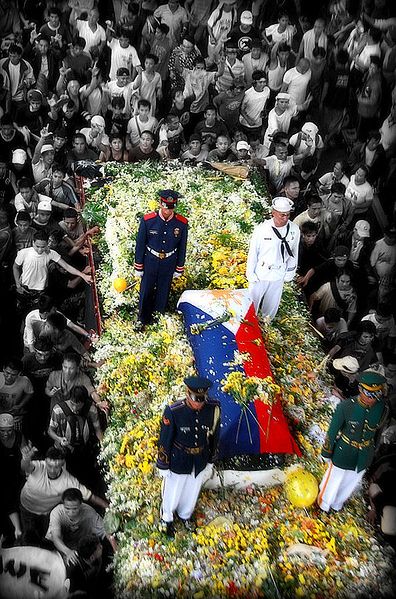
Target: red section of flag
x=275, y=436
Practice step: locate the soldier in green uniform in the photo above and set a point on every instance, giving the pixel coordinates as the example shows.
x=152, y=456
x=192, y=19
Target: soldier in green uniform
x=350, y=441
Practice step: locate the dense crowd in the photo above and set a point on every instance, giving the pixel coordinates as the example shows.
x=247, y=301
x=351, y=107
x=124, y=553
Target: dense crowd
x=303, y=92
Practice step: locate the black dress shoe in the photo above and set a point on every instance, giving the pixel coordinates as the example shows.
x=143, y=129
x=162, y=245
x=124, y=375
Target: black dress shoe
x=189, y=524
x=167, y=528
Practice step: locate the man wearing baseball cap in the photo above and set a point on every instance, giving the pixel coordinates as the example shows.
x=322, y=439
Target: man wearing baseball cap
x=272, y=258
x=159, y=255
x=244, y=33
x=186, y=451
x=350, y=440
x=44, y=219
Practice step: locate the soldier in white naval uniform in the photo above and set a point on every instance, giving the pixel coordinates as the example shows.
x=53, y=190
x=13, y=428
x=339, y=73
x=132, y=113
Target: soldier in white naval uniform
x=272, y=258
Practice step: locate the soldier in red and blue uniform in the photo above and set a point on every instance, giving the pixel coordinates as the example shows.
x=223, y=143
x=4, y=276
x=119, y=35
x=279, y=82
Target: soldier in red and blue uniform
x=187, y=448
x=160, y=254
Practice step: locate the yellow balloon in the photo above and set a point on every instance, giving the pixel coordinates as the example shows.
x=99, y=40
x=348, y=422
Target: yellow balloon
x=120, y=284
x=301, y=488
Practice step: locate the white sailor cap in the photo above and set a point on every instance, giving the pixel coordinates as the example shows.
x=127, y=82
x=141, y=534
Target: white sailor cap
x=282, y=204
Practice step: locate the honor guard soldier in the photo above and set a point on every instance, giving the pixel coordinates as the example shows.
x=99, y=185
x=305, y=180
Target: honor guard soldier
x=160, y=254
x=350, y=441
x=272, y=258
x=187, y=448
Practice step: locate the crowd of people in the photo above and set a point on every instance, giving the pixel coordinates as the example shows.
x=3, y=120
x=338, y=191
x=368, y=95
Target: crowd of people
x=302, y=92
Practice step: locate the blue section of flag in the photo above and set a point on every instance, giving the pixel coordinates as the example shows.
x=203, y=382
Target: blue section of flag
x=213, y=349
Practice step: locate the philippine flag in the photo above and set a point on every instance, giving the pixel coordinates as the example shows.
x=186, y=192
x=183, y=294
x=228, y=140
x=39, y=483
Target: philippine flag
x=258, y=427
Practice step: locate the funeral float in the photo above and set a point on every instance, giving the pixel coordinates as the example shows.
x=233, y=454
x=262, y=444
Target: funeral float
x=259, y=532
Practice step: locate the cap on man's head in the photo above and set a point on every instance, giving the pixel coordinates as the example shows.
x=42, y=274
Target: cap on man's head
x=47, y=148
x=195, y=137
x=282, y=96
x=198, y=385
x=44, y=206
x=371, y=380
x=169, y=197
x=6, y=421
x=346, y=364
x=98, y=120
x=246, y=18
x=243, y=145
x=19, y=156
x=281, y=204
x=341, y=250
x=362, y=227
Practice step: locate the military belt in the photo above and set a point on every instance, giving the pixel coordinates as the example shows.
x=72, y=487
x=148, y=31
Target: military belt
x=161, y=255
x=355, y=444
x=189, y=450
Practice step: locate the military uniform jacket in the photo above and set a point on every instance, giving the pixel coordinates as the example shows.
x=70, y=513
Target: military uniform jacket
x=350, y=440
x=161, y=243
x=188, y=438
x=265, y=261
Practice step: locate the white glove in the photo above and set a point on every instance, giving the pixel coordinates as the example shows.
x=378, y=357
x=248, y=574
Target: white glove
x=139, y=274
x=208, y=472
x=163, y=473
x=253, y=279
x=177, y=275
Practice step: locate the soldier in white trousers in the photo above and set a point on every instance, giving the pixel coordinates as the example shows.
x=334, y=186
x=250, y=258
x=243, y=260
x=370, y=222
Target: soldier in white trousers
x=272, y=258
x=350, y=441
x=187, y=448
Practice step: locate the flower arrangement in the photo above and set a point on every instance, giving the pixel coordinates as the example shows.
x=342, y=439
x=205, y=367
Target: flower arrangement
x=245, y=389
x=250, y=543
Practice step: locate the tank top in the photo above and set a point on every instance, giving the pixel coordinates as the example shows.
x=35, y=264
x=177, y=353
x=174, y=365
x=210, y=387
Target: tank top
x=275, y=77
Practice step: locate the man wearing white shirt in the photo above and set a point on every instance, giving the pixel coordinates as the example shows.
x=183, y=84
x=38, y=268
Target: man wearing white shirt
x=314, y=38
x=272, y=258
x=141, y=121
x=296, y=80
x=371, y=48
x=91, y=31
x=359, y=192
x=253, y=104
x=17, y=72
x=175, y=16
x=30, y=271
x=122, y=86
x=122, y=53
x=280, y=116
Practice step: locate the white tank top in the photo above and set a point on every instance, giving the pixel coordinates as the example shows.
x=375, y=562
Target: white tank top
x=275, y=77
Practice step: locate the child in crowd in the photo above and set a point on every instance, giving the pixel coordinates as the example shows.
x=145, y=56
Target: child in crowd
x=222, y=151
x=115, y=118
x=141, y=121
x=148, y=84
x=195, y=153
x=121, y=86
x=171, y=137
